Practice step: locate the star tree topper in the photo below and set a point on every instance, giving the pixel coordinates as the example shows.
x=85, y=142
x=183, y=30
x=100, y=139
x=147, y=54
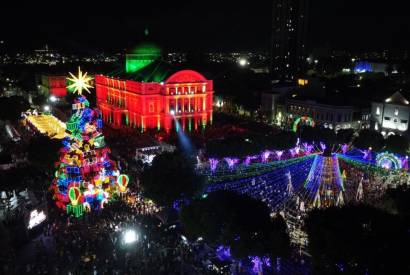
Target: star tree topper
x=79, y=82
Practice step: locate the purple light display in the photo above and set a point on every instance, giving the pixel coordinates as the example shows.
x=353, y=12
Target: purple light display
x=256, y=264
x=279, y=154
x=345, y=147
x=213, y=164
x=307, y=147
x=366, y=154
x=248, y=160
x=265, y=155
x=223, y=253
x=405, y=162
x=231, y=162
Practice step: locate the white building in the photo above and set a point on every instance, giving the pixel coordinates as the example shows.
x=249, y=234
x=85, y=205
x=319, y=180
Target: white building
x=331, y=116
x=392, y=115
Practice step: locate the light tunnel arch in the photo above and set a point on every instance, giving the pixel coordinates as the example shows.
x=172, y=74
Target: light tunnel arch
x=303, y=119
x=388, y=161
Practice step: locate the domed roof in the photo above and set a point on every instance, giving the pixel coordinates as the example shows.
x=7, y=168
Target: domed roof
x=146, y=48
x=398, y=99
x=186, y=76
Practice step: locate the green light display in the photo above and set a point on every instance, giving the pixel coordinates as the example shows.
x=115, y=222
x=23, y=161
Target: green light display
x=142, y=56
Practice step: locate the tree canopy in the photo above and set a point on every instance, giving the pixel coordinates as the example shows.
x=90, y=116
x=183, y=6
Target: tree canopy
x=43, y=152
x=316, y=135
x=249, y=144
x=238, y=221
x=171, y=177
x=12, y=107
x=369, y=138
x=397, y=144
x=358, y=239
x=344, y=136
x=397, y=201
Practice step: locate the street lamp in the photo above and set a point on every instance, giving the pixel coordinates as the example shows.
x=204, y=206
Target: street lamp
x=243, y=62
x=130, y=236
x=46, y=108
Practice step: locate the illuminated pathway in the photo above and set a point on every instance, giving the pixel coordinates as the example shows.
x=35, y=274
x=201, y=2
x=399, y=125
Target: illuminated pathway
x=48, y=125
x=312, y=181
x=276, y=187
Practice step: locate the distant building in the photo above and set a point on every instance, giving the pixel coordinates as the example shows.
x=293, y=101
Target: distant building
x=392, y=115
x=330, y=116
x=272, y=101
x=53, y=85
x=289, y=29
x=370, y=67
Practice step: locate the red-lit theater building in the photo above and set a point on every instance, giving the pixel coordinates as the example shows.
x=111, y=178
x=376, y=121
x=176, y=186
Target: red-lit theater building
x=53, y=85
x=182, y=99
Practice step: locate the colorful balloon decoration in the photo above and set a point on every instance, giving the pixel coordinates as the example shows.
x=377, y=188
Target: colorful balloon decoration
x=122, y=182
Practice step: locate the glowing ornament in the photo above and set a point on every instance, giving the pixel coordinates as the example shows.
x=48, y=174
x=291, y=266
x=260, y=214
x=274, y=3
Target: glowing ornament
x=122, y=182
x=74, y=194
x=74, y=208
x=388, y=161
x=80, y=82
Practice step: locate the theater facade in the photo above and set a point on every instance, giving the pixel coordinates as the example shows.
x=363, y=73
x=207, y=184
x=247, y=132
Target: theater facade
x=182, y=100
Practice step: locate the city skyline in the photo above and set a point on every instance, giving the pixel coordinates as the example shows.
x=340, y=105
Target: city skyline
x=193, y=27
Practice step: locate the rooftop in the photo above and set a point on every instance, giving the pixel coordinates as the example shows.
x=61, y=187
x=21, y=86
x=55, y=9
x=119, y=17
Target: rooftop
x=398, y=99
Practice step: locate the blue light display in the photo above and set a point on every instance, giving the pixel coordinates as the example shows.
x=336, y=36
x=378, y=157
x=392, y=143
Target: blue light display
x=363, y=67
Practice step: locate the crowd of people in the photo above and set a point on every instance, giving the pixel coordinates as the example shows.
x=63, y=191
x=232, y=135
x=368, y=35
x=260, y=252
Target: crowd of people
x=94, y=244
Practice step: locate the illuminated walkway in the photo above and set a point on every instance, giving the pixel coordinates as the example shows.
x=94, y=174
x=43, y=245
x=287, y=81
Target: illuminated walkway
x=48, y=125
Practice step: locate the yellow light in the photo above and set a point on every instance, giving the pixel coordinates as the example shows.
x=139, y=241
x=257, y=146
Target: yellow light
x=49, y=125
x=302, y=82
x=80, y=82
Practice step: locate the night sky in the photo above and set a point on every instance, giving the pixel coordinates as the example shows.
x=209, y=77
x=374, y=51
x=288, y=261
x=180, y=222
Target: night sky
x=204, y=26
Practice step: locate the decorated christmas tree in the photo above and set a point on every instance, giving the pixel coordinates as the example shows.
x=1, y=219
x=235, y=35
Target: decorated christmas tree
x=86, y=179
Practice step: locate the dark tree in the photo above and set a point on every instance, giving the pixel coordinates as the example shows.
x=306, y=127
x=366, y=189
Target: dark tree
x=397, y=201
x=171, y=177
x=316, y=134
x=359, y=239
x=283, y=140
x=309, y=134
x=241, y=145
x=369, y=138
x=43, y=152
x=327, y=136
x=237, y=221
x=397, y=144
x=39, y=100
x=344, y=136
x=238, y=146
x=12, y=107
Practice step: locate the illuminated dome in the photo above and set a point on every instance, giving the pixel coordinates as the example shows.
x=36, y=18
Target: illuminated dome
x=146, y=48
x=186, y=76
x=143, y=55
